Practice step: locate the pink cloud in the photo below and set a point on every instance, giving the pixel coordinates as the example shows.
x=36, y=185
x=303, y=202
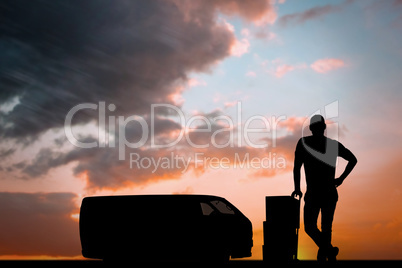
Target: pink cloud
x=326, y=65
x=251, y=74
x=260, y=12
x=281, y=70
x=230, y=104
x=239, y=47
x=193, y=82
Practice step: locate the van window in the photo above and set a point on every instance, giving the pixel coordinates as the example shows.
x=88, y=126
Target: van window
x=206, y=209
x=223, y=207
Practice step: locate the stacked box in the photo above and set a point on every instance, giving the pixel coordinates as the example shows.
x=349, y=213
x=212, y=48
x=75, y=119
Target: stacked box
x=281, y=228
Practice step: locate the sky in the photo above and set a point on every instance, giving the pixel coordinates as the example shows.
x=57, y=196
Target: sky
x=196, y=97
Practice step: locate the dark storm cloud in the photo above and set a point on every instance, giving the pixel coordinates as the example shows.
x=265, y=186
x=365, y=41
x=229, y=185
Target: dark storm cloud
x=57, y=54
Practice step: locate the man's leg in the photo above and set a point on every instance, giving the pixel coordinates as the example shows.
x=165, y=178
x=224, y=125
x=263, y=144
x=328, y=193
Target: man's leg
x=327, y=217
x=311, y=211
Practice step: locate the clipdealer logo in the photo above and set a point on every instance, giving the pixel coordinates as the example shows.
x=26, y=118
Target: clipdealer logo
x=239, y=135
x=111, y=130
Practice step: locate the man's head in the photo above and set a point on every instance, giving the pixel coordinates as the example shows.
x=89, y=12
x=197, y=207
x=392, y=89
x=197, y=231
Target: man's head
x=317, y=125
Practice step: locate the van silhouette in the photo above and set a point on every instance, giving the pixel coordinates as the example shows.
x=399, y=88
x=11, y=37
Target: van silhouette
x=163, y=227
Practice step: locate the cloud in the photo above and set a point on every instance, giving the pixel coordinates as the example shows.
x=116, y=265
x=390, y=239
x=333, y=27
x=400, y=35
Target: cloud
x=283, y=69
x=265, y=34
x=215, y=136
x=38, y=223
x=210, y=138
x=251, y=74
x=240, y=47
x=260, y=12
x=194, y=82
x=57, y=55
x=131, y=54
x=128, y=53
x=326, y=65
x=310, y=14
x=279, y=69
x=101, y=167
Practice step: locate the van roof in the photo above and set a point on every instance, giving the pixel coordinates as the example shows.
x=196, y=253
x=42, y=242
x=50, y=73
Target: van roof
x=160, y=196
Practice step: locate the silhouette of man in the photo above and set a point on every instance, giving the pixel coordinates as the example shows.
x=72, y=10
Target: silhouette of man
x=318, y=154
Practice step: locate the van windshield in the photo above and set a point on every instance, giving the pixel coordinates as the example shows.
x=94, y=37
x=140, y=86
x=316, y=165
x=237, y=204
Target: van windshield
x=223, y=207
x=206, y=209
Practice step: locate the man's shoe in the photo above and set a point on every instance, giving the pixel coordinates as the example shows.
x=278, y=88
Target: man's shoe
x=332, y=253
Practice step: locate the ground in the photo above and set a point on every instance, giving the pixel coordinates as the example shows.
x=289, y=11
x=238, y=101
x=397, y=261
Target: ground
x=96, y=264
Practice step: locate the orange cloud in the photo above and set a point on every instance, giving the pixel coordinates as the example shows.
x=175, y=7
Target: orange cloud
x=326, y=65
x=259, y=11
x=100, y=168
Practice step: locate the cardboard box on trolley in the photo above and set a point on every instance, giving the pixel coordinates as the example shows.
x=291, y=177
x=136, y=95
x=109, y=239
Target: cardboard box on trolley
x=281, y=228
